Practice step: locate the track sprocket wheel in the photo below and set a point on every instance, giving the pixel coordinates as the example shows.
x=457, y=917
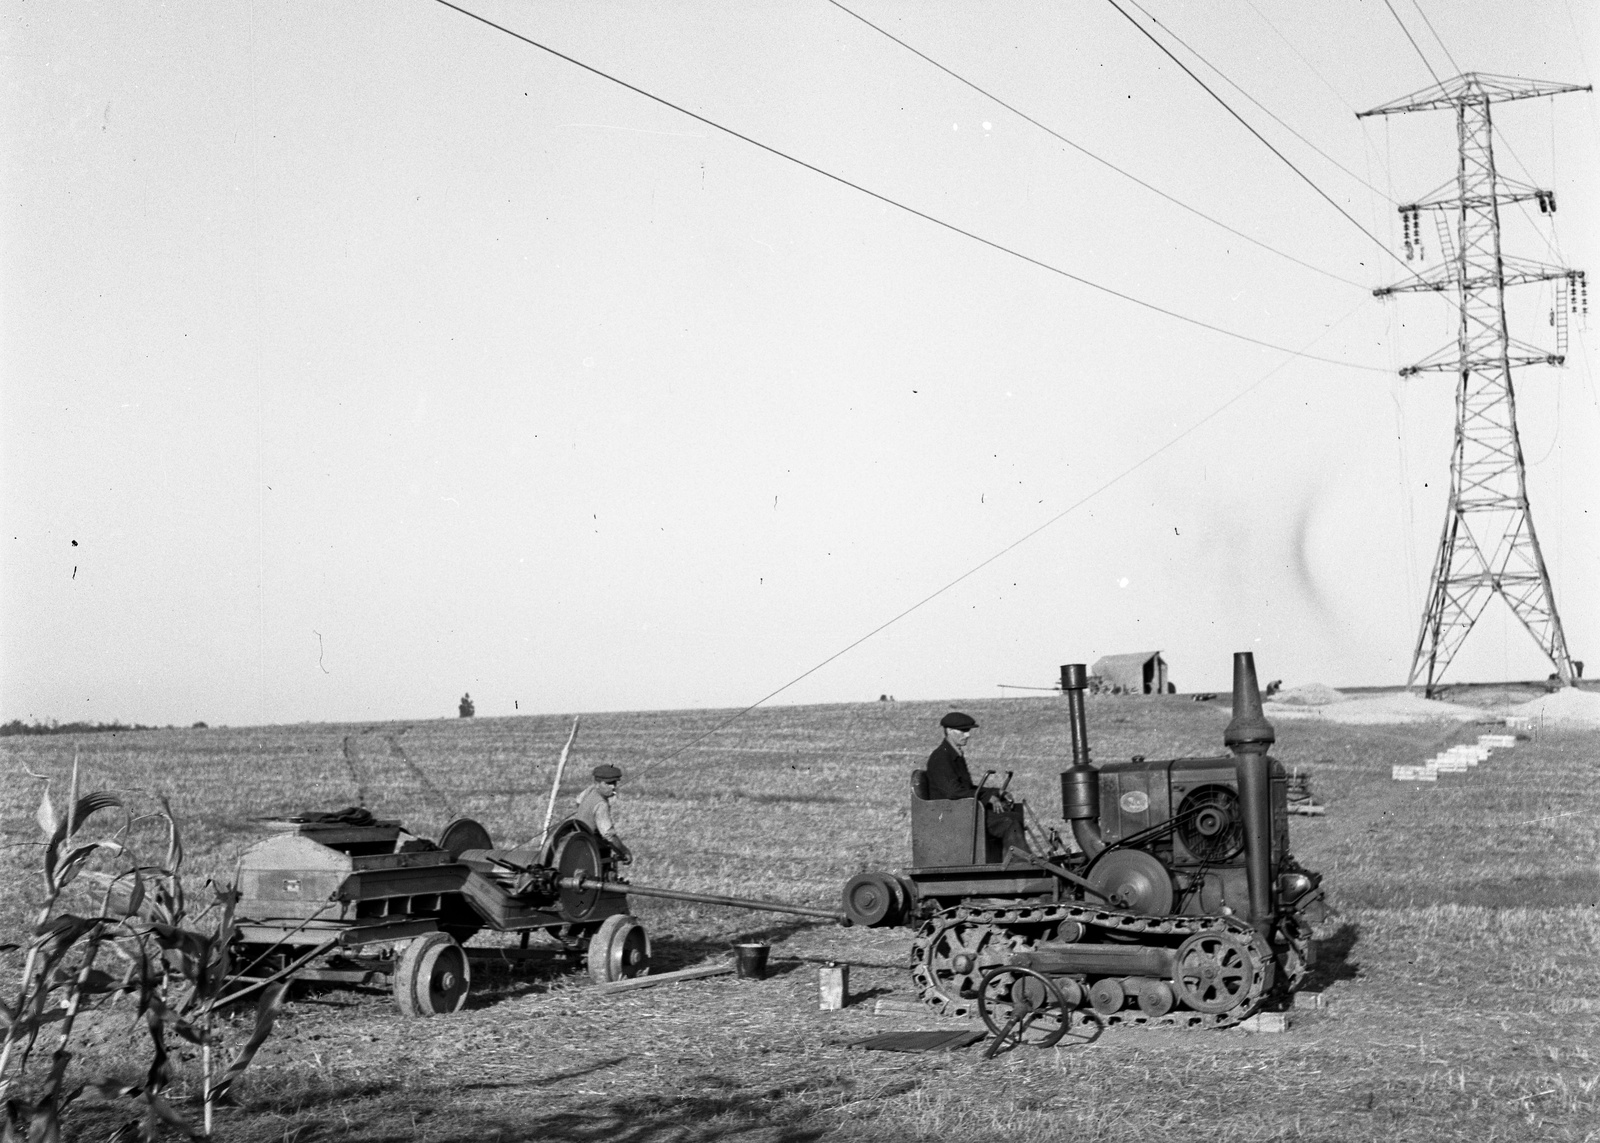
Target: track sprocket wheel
x=949, y=957
x=1216, y=972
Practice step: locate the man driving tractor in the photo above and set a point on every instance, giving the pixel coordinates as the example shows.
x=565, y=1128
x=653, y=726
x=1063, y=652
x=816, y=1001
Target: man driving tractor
x=949, y=778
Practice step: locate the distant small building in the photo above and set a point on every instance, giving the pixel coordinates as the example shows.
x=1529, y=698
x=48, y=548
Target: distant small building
x=1138, y=673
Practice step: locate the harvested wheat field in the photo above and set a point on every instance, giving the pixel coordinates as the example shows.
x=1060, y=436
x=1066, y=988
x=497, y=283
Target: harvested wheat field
x=1457, y=996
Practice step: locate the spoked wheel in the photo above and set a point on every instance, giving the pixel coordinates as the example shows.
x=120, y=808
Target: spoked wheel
x=949, y=959
x=432, y=976
x=619, y=950
x=1213, y=973
x=1021, y=1006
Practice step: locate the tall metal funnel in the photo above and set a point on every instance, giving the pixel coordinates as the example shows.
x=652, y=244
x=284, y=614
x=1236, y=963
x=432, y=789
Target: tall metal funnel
x=1249, y=735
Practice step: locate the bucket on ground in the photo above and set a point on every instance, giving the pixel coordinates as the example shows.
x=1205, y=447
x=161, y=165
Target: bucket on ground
x=752, y=962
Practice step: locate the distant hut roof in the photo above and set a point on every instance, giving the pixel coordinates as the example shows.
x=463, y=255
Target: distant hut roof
x=1126, y=671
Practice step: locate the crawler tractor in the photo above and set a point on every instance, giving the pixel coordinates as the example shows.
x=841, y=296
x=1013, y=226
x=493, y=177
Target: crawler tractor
x=1181, y=905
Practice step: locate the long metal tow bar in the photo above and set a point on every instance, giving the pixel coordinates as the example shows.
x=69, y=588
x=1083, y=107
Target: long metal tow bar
x=579, y=882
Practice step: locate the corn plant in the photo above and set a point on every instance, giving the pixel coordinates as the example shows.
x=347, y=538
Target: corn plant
x=139, y=953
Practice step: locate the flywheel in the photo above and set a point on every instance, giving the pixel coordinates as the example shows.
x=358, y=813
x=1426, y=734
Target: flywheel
x=1133, y=881
x=577, y=853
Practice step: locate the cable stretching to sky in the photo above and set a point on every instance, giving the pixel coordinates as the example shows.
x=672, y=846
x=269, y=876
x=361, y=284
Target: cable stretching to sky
x=1088, y=153
x=950, y=226
x=1417, y=4
x=1012, y=546
x=1271, y=114
x=1415, y=46
x=1265, y=142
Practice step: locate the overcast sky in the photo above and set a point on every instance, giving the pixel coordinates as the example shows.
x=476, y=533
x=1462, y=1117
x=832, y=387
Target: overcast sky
x=359, y=355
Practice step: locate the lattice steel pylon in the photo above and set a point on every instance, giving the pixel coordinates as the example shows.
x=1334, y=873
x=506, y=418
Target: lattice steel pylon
x=1489, y=545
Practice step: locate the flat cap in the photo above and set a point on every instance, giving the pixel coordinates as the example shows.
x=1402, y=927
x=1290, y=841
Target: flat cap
x=955, y=720
x=607, y=773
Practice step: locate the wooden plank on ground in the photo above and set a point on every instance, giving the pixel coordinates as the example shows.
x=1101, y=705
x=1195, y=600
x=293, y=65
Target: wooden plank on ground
x=942, y=1041
x=654, y=979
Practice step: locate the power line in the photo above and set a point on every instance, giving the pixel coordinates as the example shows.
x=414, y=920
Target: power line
x=1309, y=67
x=1017, y=543
x=1261, y=106
x=1345, y=214
x=950, y=226
x=1417, y=47
x=1417, y=4
x=1088, y=153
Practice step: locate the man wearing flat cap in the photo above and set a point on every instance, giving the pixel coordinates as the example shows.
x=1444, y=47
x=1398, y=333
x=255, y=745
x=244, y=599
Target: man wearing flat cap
x=594, y=808
x=948, y=777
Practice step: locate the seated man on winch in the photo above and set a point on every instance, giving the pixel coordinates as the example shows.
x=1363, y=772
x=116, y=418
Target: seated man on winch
x=949, y=778
x=594, y=809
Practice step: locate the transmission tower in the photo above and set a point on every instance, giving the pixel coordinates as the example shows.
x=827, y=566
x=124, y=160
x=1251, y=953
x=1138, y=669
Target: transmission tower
x=1489, y=545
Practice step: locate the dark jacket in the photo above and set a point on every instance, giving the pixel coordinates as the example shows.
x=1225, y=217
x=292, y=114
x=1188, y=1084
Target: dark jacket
x=948, y=776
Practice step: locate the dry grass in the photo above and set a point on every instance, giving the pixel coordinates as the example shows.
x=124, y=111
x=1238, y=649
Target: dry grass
x=1460, y=976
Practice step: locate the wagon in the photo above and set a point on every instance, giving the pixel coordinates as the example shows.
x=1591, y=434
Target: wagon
x=346, y=898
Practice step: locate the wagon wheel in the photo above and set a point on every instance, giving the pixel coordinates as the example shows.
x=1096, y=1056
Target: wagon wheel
x=619, y=950
x=1021, y=1006
x=1212, y=972
x=432, y=976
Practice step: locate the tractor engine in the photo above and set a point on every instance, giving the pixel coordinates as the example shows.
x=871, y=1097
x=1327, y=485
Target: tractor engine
x=1190, y=836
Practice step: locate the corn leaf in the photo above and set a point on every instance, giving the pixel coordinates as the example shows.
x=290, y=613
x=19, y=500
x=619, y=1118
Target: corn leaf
x=266, y=1013
x=56, y=936
x=110, y=1089
x=31, y=1023
x=73, y=865
x=169, y=1114
x=89, y=804
x=161, y=1014
x=46, y=815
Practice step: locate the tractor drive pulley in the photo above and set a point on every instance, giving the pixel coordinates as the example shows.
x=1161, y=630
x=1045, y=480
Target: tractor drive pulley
x=1134, y=881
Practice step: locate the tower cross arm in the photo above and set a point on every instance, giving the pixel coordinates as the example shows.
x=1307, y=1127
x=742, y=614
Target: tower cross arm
x=1512, y=272
x=1473, y=87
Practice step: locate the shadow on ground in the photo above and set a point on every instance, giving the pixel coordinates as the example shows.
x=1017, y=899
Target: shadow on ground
x=1333, y=958
x=772, y=1115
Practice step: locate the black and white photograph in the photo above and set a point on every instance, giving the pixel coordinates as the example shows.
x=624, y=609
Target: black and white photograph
x=800, y=571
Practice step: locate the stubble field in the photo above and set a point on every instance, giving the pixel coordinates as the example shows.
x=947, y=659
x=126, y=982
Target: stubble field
x=1460, y=980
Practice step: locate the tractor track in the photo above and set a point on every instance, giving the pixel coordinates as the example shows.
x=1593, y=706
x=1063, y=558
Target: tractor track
x=1002, y=924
